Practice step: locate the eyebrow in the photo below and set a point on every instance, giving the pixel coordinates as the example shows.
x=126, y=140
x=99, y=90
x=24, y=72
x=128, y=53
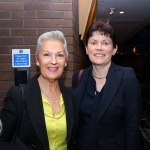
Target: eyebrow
x=92, y=40
x=57, y=52
x=102, y=40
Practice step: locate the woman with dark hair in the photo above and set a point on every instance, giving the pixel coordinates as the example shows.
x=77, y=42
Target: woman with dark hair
x=108, y=99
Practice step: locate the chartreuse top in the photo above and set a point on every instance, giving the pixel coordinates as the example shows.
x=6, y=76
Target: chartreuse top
x=55, y=125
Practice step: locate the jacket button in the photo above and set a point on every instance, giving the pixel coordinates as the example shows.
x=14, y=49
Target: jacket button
x=98, y=126
x=101, y=142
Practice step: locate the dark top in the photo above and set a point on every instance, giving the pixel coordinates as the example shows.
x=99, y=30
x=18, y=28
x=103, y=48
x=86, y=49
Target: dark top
x=119, y=112
x=33, y=129
x=87, y=114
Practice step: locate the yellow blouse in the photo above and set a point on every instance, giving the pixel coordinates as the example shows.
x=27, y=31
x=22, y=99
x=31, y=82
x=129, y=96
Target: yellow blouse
x=55, y=125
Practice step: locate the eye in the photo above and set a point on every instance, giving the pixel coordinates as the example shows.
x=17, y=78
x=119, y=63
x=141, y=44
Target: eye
x=46, y=54
x=106, y=43
x=60, y=55
x=93, y=43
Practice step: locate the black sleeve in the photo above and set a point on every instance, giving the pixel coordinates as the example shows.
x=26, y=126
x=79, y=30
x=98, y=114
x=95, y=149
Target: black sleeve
x=133, y=101
x=9, y=117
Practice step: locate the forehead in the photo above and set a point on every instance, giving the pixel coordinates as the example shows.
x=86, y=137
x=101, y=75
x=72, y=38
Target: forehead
x=100, y=35
x=52, y=44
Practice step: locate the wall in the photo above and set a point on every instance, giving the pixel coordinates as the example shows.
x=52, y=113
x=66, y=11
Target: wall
x=22, y=21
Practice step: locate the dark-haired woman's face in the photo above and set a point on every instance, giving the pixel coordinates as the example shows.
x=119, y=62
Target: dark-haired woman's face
x=100, y=49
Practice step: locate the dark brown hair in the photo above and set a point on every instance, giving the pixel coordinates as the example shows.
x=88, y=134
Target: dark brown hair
x=104, y=29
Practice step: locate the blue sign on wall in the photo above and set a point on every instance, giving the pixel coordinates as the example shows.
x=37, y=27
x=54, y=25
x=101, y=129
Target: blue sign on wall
x=21, y=59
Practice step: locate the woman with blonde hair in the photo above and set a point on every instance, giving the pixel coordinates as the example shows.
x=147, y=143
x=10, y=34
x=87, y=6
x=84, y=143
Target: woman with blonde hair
x=47, y=121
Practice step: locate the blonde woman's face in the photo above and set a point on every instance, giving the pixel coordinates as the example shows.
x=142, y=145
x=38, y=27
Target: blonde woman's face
x=52, y=59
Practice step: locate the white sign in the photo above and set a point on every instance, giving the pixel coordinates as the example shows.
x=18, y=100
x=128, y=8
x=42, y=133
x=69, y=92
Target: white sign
x=21, y=58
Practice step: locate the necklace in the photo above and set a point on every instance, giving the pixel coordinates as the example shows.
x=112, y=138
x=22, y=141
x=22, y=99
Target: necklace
x=54, y=100
x=98, y=77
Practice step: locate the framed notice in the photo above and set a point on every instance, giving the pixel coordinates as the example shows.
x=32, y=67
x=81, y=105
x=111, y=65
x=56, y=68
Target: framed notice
x=21, y=58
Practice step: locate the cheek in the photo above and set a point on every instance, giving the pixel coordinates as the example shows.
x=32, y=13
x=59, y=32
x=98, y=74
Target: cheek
x=89, y=48
x=62, y=63
x=109, y=50
x=43, y=61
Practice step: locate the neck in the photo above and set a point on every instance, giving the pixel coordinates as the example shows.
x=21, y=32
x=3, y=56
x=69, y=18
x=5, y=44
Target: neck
x=48, y=85
x=100, y=72
x=98, y=77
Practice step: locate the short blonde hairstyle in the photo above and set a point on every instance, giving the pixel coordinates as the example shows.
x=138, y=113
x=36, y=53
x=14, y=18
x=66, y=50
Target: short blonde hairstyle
x=53, y=35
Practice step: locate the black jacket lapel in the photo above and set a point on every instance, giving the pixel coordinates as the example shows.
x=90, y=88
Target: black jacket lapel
x=35, y=109
x=112, y=82
x=67, y=96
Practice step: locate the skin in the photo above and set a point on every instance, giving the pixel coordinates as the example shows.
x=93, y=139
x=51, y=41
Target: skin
x=52, y=60
x=100, y=50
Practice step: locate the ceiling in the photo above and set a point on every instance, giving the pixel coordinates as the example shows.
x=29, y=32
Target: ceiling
x=132, y=27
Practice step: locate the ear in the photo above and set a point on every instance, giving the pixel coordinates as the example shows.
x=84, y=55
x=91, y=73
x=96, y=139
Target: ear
x=86, y=49
x=115, y=50
x=37, y=62
x=66, y=61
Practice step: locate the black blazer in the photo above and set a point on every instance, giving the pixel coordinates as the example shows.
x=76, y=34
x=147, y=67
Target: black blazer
x=118, y=119
x=33, y=129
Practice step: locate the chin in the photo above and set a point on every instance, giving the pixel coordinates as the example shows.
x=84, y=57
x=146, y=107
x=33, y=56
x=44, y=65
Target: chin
x=98, y=63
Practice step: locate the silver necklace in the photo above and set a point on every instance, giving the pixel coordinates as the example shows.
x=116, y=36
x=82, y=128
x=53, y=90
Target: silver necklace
x=98, y=77
x=54, y=100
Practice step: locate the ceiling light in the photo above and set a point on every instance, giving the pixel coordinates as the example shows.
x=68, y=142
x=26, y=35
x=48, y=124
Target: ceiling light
x=112, y=11
x=121, y=12
x=134, y=50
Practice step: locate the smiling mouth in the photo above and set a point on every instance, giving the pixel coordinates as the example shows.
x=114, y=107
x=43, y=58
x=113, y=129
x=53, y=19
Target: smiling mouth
x=99, y=54
x=52, y=69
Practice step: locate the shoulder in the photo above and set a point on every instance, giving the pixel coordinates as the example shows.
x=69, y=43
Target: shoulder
x=76, y=74
x=128, y=76
x=64, y=88
x=125, y=70
x=33, y=80
x=13, y=95
x=32, y=84
x=68, y=89
x=14, y=92
x=12, y=101
x=128, y=71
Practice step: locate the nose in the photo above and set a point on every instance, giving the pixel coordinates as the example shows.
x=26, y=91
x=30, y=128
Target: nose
x=99, y=46
x=53, y=60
